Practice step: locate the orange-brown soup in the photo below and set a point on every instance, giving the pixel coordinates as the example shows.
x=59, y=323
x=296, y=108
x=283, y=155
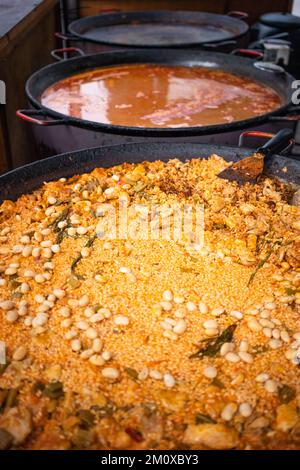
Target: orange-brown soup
x=160, y=96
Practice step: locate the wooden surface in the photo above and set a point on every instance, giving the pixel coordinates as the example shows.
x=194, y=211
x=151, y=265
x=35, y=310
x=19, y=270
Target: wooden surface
x=94, y=7
x=13, y=12
x=5, y=160
x=23, y=49
x=254, y=9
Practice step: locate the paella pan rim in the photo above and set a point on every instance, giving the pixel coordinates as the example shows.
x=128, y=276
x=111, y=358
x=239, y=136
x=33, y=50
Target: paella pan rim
x=29, y=177
x=80, y=27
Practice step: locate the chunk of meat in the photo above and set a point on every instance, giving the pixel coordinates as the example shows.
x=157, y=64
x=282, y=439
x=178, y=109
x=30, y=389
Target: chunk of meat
x=213, y=436
x=18, y=422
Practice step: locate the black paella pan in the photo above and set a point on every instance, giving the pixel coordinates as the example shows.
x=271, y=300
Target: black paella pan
x=160, y=29
x=29, y=177
x=57, y=133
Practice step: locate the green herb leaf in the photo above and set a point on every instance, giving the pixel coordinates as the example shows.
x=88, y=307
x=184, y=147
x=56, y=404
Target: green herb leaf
x=290, y=291
x=213, y=345
x=263, y=262
x=79, y=258
x=87, y=419
x=54, y=390
x=218, y=383
x=204, y=419
x=17, y=295
x=62, y=216
x=91, y=185
x=132, y=373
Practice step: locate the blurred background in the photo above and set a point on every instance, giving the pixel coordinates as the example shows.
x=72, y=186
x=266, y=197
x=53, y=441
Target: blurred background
x=27, y=36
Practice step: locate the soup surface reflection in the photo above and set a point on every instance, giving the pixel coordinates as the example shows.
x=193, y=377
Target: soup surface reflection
x=160, y=96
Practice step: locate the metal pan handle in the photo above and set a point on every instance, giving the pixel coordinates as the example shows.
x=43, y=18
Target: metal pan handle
x=109, y=10
x=292, y=115
x=28, y=115
x=281, y=142
x=217, y=45
x=252, y=54
x=269, y=67
x=238, y=14
x=277, y=143
x=287, y=118
x=65, y=51
x=66, y=36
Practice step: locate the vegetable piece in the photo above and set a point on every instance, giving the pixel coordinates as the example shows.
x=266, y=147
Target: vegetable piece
x=3, y=367
x=18, y=422
x=202, y=418
x=218, y=383
x=82, y=439
x=290, y=291
x=286, y=394
x=87, y=419
x=38, y=387
x=132, y=373
x=213, y=345
x=3, y=395
x=11, y=398
x=259, y=349
x=6, y=439
x=135, y=434
x=54, y=390
x=212, y=436
x=74, y=282
x=8, y=398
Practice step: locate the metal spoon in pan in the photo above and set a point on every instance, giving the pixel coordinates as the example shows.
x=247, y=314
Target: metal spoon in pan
x=250, y=169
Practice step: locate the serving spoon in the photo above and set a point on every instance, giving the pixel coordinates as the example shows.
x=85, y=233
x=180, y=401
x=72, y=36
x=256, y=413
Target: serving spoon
x=250, y=169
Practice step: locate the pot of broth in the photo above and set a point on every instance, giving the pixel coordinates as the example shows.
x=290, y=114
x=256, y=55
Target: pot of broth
x=136, y=95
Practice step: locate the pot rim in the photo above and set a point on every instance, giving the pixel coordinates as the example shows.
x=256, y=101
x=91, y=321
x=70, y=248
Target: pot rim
x=243, y=26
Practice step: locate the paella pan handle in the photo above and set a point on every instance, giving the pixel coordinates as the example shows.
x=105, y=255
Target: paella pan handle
x=66, y=36
x=292, y=115
x=109, y=10
x=287, y=118
x=238, y=14
x=217, y=45
x=252, y=54
x=56, y=53
x=29, y=116
x=277, y=143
